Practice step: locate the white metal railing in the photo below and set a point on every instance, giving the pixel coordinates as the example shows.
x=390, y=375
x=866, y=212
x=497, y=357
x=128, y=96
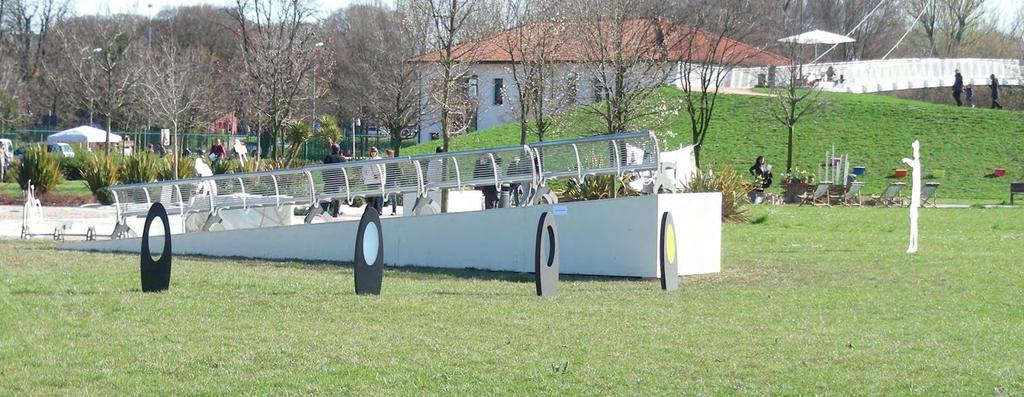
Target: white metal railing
x=531, y=164
x=887, y=75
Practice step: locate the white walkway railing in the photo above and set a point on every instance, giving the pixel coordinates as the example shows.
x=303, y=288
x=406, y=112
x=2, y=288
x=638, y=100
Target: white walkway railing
x=886, y=75
x=533, y=164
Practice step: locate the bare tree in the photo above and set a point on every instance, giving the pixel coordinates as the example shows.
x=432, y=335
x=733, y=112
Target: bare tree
x=98, y=64
x=792, y=99
x=533, y=39
x=711, y=47
x=870, y=21
x=176, y=85
x=277, y=46
x=374, y=52
x=622, y=48
x=931, y=14
x=25, y=27
x=962, y=17
x=449, y=25
x=947, y=24
x=1017, y=31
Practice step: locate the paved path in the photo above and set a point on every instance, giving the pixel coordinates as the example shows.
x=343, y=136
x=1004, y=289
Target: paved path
x=78, y=219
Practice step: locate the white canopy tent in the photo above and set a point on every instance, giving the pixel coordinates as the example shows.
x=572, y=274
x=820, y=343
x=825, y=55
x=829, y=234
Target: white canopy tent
x=83, y=134
x=817, y=37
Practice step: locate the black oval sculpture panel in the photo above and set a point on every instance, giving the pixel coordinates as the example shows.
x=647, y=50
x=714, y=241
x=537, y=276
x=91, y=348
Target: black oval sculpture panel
x=369, y=257
x=546, y=261
x=668, y=257
x=156, y=275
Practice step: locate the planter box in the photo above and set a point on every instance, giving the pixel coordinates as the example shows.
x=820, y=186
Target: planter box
x=999, y=172
x=900, y=173
x=793, y=192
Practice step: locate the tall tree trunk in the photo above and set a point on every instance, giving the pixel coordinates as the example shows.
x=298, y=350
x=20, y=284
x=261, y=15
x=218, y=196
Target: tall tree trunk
x=523, y=130
x=175, y=152
x=789, y=149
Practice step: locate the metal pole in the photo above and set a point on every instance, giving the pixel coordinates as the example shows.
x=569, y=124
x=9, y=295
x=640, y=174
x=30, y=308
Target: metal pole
x=149, y=27
x=313, y=120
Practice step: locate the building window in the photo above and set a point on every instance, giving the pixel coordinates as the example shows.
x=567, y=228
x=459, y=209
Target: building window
x=472, y=86
x=499, y=88
x=600, y=92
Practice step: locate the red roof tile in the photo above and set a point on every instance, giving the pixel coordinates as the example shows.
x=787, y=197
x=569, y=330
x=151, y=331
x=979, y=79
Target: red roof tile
x=564, y=44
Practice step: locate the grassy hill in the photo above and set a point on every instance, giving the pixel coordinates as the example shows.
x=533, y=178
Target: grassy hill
x=876, y=131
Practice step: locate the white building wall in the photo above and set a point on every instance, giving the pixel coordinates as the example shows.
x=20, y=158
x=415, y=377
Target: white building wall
x=491, y=115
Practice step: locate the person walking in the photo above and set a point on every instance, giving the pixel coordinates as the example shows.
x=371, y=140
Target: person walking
x=763, y=173
x=993, y=85
x=958, y=87
x=969, y=92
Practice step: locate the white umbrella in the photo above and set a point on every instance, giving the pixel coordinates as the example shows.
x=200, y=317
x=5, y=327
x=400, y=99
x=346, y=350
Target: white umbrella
x=83, y=134
x=817, y=37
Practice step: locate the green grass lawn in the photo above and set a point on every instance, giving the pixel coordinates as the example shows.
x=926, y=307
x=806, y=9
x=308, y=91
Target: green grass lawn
x=876, y=131
x=66, y=188
x=810, y=301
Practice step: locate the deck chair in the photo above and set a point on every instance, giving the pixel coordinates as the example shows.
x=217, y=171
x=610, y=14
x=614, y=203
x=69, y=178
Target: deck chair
x=817, y=196
x=852, y=195
x=890, y=196
x=928, y=194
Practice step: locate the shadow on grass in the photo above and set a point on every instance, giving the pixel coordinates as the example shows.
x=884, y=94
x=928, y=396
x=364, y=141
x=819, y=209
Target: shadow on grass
x=405, y=272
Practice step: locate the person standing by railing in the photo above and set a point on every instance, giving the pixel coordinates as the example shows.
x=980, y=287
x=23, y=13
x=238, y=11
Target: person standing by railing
x=993, y=85
x=333, y=179
x=373, y=178
x=958, y=87
x=392, y=173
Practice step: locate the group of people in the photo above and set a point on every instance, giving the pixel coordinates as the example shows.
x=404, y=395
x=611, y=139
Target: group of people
x=372, y=176
x=968, y=91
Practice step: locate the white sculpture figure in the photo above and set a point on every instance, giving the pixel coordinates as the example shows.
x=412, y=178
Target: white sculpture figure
x=915, y=194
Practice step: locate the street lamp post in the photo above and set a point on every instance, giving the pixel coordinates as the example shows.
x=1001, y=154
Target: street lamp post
x=313, y=121
x=93, y=52
x=355, y=123
x=149, y=45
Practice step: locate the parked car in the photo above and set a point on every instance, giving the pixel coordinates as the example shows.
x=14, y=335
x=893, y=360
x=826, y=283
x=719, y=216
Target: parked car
x=55, y=149
x=60, y=149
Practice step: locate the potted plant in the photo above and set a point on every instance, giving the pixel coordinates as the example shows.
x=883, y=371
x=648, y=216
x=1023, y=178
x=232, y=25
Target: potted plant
x=795, y=184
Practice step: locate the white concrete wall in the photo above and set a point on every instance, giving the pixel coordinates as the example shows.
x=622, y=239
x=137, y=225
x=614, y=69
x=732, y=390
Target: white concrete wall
x=614, y=237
